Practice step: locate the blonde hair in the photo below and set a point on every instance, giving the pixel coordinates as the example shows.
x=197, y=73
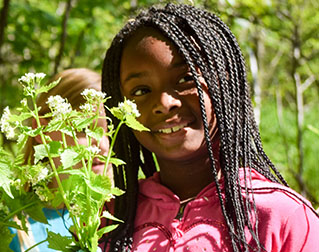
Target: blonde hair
x=73, y=82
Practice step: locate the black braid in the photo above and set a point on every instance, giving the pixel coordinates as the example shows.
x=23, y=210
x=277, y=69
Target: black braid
x=221, y=64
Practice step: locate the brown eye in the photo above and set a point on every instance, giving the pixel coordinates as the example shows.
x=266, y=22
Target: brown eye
x=186, y=78
x=140, y=91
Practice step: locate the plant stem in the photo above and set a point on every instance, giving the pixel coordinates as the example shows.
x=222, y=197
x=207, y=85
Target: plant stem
x=111, y=147
x=60, y=187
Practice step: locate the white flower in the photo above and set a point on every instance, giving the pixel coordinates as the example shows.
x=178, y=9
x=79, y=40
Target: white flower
x=87, y=108
x=41, y=193
x=24, y=102
x=41, y=176
x=129, y=107
x=75, y=210
x=93, y=149
x=91, y=94
x=58, y=106
x=16, y=183
x=29, y=78
x=5, y=125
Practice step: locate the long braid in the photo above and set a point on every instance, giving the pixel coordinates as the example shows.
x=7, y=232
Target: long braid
x=221, y=64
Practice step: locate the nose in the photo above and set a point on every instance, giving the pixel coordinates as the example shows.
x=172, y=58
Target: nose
x=166, y=103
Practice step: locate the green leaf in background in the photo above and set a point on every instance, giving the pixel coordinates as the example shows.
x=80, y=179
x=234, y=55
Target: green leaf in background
x=313, y=129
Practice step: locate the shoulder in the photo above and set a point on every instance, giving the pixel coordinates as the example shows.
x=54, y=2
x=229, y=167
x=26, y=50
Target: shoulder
x=286, y=219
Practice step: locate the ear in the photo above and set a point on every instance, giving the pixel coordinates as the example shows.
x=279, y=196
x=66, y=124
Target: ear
x=43, y=121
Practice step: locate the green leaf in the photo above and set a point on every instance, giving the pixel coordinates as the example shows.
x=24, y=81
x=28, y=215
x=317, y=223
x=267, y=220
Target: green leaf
x=54, y=125
x=116, y=191
x=107, y=215
x=6, y=238
x=117, y=161
x=46, y=88
x=96, y=134
x=69, y=157
x=5, y=177
x=313, y=129
x=21, y=117
x=100, y=184
x=81, y=123
x=22, y=139
x=40, y=151
x=31, y=132
x=117, y=112
x=57, y=241
x=36, y=213
x=106, y=229
x=131, y=122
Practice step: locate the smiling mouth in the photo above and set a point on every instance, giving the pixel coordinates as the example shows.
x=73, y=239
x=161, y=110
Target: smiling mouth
x=172, y=130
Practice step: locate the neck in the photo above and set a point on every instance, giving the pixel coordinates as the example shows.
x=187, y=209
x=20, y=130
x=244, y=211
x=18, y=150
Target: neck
x=187, y=178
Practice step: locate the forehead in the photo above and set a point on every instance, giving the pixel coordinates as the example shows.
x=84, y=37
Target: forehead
x=146, y=47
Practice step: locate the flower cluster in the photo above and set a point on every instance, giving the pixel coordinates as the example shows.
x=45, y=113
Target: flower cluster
x=59, y=106
x=92, y=95
x=40, y=176
x=94, y=149
x=5, y=125
x=87, y=108
x=29, y=80
x=129, y=107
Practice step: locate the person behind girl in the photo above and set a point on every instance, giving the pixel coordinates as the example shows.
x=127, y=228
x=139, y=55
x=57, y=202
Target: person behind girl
x=216, y=190
x=73, y=82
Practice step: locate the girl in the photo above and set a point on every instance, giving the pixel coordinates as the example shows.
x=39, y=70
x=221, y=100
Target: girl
x=216, y=190
x=73, y=82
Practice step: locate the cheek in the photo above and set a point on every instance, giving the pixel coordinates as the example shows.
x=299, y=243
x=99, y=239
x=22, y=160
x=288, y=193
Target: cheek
x=82, y=140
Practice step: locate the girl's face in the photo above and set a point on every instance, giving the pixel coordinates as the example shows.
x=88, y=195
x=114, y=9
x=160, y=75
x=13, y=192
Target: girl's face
x=155, y=75
x=97, y=166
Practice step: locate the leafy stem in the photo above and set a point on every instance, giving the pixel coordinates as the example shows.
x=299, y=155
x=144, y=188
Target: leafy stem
x=56, y=175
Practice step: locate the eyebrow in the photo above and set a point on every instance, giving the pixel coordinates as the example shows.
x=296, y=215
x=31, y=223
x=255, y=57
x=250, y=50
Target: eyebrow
x=134, y=75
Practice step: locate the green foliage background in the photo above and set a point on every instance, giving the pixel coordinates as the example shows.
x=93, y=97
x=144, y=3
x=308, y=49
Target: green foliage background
x=281, y=36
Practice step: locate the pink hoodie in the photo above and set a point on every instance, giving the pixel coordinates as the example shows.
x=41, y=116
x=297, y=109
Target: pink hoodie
x=285, y=223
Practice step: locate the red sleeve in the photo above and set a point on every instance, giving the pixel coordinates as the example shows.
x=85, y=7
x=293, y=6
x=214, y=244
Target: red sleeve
x=301, y=231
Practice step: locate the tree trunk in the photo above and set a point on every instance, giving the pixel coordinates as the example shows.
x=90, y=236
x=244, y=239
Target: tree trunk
x=63, y=35
x=3, y=23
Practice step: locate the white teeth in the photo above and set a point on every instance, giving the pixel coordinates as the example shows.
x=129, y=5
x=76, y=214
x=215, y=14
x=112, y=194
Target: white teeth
x=171, y=130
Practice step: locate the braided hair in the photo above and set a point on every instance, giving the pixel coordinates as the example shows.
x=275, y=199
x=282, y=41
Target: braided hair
x=204, y=42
